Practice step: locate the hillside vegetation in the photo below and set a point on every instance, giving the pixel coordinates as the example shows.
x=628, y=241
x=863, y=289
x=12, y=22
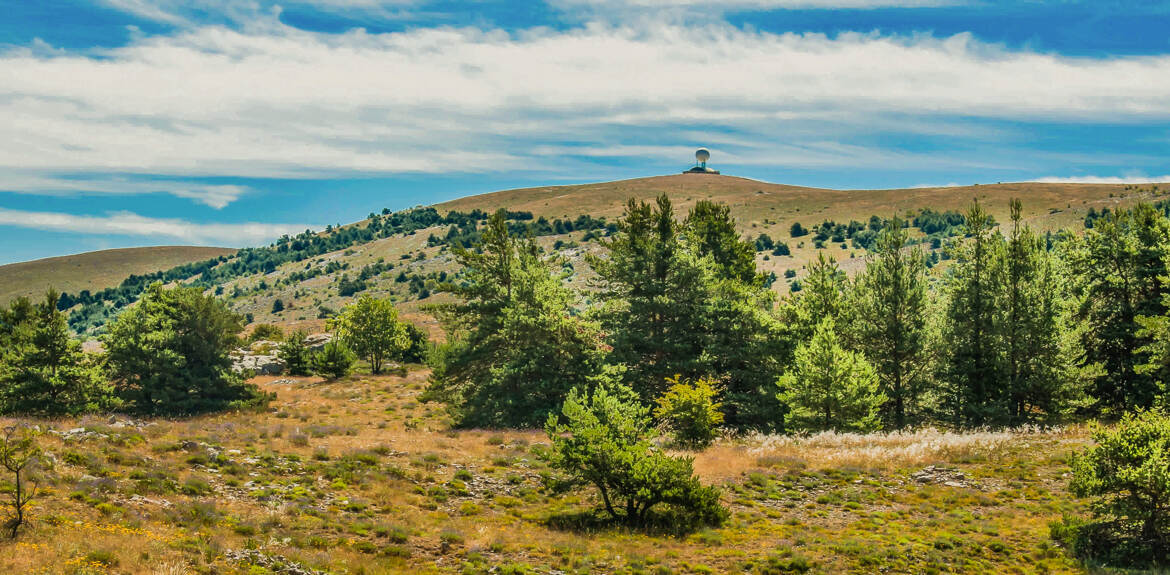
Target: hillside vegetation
x=95, y=271
x=934, y=409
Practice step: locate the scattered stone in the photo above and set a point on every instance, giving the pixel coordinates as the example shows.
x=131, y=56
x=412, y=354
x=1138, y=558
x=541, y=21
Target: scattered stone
x=78, y=434
x=274, y=563
x=947, y=476
x=317, y=341
x=258, y=364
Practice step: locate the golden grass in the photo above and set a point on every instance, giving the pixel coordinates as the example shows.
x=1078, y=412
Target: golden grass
x=831, y=498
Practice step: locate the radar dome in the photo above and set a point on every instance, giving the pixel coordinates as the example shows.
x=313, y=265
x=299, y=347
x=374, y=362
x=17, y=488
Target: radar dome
x=702, y=155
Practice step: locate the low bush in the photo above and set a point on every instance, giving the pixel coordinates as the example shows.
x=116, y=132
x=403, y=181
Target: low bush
x=1127, y=474
x=689, y=411
x=605, y=441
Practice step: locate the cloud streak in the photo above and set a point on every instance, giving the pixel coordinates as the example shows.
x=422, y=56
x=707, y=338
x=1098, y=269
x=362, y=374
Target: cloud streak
x=214, y=196
x=131, y=224
x=280, y=102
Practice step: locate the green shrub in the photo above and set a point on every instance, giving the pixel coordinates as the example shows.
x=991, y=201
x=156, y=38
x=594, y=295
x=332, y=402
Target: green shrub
x=689, y=410
x=295, y=354
x=267, y=332
x=605, y=441
x=1128, y=476
x=334, y=361
x=168, y=355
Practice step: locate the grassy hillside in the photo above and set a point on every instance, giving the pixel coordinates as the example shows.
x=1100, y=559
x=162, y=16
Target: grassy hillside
x=94, y=270
x=407, y=267
x=759, y=207
x=763, y=205
x=359, y=476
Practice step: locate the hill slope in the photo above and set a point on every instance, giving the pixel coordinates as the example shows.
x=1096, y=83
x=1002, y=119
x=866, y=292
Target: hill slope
x=409, y=265
x=94, y=270
x=405, y=256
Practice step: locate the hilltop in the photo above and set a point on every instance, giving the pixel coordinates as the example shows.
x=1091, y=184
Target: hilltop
x=404, y=255
x=95, y=271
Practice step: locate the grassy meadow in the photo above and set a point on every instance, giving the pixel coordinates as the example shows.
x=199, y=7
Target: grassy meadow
x=358, y=477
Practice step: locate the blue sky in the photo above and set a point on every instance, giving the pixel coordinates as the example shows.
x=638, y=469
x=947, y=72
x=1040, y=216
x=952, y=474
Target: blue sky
x=135, y=122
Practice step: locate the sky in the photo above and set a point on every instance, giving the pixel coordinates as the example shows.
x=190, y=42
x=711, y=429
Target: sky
x=214, y=122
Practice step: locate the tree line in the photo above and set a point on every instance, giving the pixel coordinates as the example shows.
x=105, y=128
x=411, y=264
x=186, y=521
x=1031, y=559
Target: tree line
x=1019, y=328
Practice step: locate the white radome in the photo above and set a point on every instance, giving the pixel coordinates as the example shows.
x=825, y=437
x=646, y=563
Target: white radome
x=702, y=155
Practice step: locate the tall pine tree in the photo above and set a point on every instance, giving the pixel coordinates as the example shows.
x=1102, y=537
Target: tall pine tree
x=1114, y=278
x=972, y=357
x=889, y=323
x=515, y=347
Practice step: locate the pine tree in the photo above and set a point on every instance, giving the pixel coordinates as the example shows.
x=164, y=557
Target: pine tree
x=295, y=353
x=515, y=348
x=168, y=355
x=973, y=359
x=654, y=292
x=1114, y=277
x=889, y=322
x=1042, y=381
x=829, y=387
x=44, y=371
x=711, y=230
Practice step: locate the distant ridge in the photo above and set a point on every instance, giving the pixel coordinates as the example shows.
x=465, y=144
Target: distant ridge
x=95, y=270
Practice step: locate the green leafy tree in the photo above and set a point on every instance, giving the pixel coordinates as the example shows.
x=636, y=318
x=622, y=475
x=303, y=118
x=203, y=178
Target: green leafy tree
x=690, y=411
x=515, y=347
x=334, y=361
x=169, y=354
x=1127, y=473
x=371, y=329
x=42, y=368
x=973, y=359
x=605, y=441
x=890, y=303
x=831, y=388
x=295, y=354
x=1114, y=272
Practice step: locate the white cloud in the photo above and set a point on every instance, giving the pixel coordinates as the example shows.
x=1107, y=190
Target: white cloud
x=130, y=224
x=215, y=196
x=282, y=102
x=1105, y=180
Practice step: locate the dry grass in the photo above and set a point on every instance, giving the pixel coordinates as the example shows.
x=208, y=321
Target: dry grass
x=871, y=451
x=271, y=478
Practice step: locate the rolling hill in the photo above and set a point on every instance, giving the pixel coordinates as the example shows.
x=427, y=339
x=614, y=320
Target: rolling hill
x=94, y=270
x=406, y=262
